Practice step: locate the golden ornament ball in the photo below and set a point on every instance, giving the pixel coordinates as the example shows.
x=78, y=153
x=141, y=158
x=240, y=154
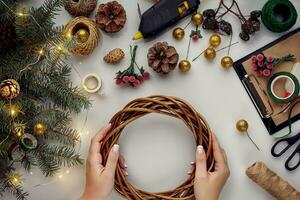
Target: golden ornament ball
x=178, y=33
x=197, y=19
x=82, y=35
x=242, y=125
x=215, y=40
x=9, y=89
x=39, y=129
x=226, y=62
x=185, y=66
x=210, y=53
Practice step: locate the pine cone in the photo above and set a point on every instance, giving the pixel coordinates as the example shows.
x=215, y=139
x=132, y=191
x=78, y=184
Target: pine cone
x=8, y=36
x=114, y=56
x=80, y=7
x=111, y=17
x=162, y=58
x=9, y=89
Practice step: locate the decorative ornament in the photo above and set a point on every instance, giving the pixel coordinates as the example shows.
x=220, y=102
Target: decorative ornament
x=210, y=53
x=162, y=58
x=18, y=130
x=184, y=66
x=263, y=65
x=9, y=89
x=215, y=40
x=196, y=34
x=82, y=35
x=39, y=129
x=13, y=110
x=169, y=106
x=178, y=33
x=242, y=127
x=15, y=180
x=91, y=43
x=28, y=142
x=111, y=17
x=128, y=76
x=96, y=87
x=197, y=19
x=114, y=56
x=226, y=62
x=80, y=7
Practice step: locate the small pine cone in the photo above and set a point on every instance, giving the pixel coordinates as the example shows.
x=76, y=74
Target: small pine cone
x=80, y=8
x=9, y=89
x=114, y=56
x=162, y=58
x=111, y=17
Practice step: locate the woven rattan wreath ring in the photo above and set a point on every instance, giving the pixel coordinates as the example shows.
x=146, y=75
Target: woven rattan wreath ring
x=87, y=47
x=166, y=105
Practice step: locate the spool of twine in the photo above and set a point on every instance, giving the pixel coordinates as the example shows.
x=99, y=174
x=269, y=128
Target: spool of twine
x=85, y=48
x=279, y=15
x=169, y=106
x=271, y=182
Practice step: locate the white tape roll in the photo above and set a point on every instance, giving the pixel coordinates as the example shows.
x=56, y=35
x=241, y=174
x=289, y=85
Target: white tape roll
x=88, y=78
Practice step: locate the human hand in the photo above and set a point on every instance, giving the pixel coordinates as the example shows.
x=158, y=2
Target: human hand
x=208, y=185
x=100, y=179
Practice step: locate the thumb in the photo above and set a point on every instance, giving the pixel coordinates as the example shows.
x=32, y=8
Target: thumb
x=112, y=161
x=201, y=169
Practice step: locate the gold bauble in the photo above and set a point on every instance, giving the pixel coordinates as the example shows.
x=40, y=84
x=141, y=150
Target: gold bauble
x=242, y=125
x=226, y=62
x=9, y=89
x=184, y=66
x=82, y=35
x=210, y=53
x=197, y=19
x=178, y=33
x=215, y=40
x=39, y=129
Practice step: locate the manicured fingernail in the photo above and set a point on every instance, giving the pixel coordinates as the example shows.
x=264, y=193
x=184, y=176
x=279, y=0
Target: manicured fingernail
x=125, y=165
x=126, y=174
x=116, y=148
x=200, y=149
x=108, y=125
x=192, y=163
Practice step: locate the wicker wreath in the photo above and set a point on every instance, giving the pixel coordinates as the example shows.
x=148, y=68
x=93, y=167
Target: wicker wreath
x=80, y=7
x=85, y=48
x=170, y=106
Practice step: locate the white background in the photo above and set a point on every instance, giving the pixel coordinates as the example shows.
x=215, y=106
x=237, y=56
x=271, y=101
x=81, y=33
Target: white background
x=158, y=150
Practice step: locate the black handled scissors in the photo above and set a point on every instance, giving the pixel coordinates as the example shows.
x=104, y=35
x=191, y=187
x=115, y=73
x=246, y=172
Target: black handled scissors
x=290, y=142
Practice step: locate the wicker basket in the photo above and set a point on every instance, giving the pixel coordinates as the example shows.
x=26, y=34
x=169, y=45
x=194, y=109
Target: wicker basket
x=169, y=106
x=85, y=48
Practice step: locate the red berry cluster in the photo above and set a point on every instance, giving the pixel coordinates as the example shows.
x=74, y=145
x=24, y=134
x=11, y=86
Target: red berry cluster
x=195, y=34
x=128, y=76
x=133, y=80
x=262, y=65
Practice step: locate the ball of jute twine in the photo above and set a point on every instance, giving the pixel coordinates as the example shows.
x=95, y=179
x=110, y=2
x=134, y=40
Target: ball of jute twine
x=170, y=106
x=80, y=7
x=85, y=48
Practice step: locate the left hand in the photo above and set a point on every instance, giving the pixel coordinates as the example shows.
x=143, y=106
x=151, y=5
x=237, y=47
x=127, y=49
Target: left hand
x=99, y=178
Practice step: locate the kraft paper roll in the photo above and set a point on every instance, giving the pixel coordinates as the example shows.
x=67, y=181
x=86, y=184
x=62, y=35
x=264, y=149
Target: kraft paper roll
x=271, y=182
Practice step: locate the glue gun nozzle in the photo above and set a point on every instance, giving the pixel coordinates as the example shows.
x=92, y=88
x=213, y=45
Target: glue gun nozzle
x=138, y=36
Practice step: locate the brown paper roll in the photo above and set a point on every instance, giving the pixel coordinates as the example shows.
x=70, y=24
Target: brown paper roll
x=271, y=182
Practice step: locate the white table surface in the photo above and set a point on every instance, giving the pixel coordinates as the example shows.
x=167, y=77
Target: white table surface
x=158, y=149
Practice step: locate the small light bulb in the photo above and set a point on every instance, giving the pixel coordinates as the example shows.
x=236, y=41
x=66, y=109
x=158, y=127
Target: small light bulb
x=60, y=176
x=15, y=180
x=41, y=52
x=68, y=172
x=19, y=134
x=20, y=14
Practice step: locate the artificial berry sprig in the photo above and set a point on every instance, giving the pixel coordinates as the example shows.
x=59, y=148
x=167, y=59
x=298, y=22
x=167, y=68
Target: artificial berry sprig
x=264, y=65
x=128, y=76
x=196, y=34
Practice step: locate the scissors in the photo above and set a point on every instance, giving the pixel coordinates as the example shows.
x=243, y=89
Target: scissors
x=290, y=142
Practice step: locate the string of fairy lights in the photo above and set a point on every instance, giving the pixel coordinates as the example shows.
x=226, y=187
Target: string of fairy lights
x=14, y=110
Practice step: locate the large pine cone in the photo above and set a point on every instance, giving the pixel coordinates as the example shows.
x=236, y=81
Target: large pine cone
x=80, y=7
x=162, y=58
x=111, y=17
x=9, y=89
x=8, y=36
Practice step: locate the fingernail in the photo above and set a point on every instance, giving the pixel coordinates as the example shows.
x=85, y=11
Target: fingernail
x=108, y=125
x=192, y=163
x=200, y=149
x=116, y=148
x=126, y=174
x=125, y=165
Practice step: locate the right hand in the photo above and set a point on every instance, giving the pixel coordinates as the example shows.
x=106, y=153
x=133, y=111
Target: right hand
x=208, y=185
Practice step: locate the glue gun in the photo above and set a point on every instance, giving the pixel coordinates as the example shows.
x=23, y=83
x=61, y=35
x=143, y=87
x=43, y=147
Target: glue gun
x=164, y=14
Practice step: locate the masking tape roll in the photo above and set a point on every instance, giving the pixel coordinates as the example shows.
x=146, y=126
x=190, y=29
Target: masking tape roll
x=89, y=77
x=294, y=83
